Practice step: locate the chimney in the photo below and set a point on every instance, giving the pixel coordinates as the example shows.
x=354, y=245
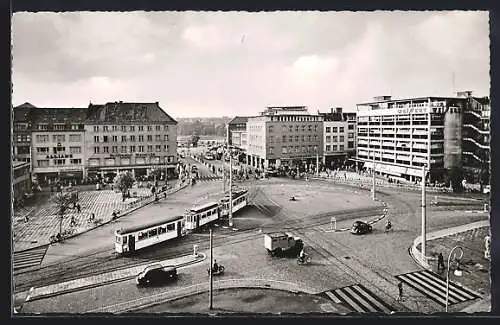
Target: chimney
x=331, y=110
x=157, y=103
x=338, y=110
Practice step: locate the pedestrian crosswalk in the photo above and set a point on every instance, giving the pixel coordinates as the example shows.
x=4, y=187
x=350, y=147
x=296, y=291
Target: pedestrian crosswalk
x=433, y=286
x=360, y=299
x=209, y=178
x=29, y=258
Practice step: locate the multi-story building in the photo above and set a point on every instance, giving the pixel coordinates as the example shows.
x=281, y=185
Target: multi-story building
x=402, y=136
x=135, y=137
x=339, y=131
x=284, y=136
x=21, y=132
x=57, y=145
x=237, y=131
x=21, y=180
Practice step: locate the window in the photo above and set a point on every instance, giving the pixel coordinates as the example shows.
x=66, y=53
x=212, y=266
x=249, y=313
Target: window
x=165, y=137
x=350, y=135
x=59, y=162
x=132, y=148
x=96, y=128
x=141, y=127
x=150, y=128
x=328, y=138
x=158, y=137
x=158, y=148
x=115, y=138
x=334, y=138
x=105, y=138
x=334, y=147
x=105, y=149
x=42, y=163
x=350, y=144
x=341, y=147
x=334, y=129
x=58, y=149
x=96, y=149
x=115, y=128
x=123, y=149
x=162, y=230
x=309, y=128
x=153, y=232
x=141, y=148
x=350, y=127
x=75, y=138
x=284, y=138
x=271, y=128
x=124, y=138
x=114, y=149
x=105, y=128
x=271, y=149
x=142, y=235
x=303, y=128
x=315, y=137
x=309, y=138
x=76, y=161
x=141, y=138
x=171, y=227
x=328, y=147
x=165, y=127
x=123, y=128
x=296, y=138
x=96, y=138
x=158, y=128
x=75, y=150
x=341, y=138
x=290, y=128
x=150, y=148
x=58, y=138
x=132, y=128
x=328, y=129
x=132, y=138
x=165, y=147
x=315, y=128
x=341, y=129
x=42, y=149
x=150, y=137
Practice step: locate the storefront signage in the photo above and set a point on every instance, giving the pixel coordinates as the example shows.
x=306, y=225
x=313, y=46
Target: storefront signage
x=59, y=156
x=412, y=110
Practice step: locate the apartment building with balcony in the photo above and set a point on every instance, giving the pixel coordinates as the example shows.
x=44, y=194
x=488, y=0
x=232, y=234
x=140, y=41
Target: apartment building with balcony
x=284, y=136
x=57, y=146
x=339, y=131
x=402, y=136
x=134, y=137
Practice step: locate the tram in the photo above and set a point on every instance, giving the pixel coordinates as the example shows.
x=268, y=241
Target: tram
x=239, y=202
x=131, y=239
x=201, y=215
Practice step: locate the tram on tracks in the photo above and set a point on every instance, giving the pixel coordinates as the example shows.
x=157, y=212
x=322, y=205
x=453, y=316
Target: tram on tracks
x=131, y=239
x=201, y=215
x=239, y=202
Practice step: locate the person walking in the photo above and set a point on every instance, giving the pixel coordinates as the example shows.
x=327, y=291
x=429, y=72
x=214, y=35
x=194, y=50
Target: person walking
x=400, y=291
x=440, y=262
x=78, y=208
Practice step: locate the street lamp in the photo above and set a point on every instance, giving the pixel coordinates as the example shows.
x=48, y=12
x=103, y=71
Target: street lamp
x=373, y=177
x=424, y=216
x=457, y=271
x=317, y=161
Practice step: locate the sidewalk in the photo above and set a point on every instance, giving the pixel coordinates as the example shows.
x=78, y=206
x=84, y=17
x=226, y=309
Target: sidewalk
x=44, y=220
x=101, y=279
x=475, y=267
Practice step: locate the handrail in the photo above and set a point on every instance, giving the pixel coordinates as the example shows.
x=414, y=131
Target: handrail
x=473, y=155
x=477, y=143
x=476, y=128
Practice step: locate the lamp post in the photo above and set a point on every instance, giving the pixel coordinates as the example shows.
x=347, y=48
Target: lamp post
x=230, y=190
x=317, y=161
x=457, y=272
x=424, y=215
x=211, y=294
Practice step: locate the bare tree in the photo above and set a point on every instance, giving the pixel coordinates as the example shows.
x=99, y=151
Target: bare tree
x=63, y=201
x=124, y=182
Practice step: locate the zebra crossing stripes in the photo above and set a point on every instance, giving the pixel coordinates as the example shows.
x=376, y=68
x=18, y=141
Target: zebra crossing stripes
x=360, y=299
x=433, y=286
x=29, y=258
x=209, y=178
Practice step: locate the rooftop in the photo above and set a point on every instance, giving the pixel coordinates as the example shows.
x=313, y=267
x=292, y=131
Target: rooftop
x=58, y=115
x=239, y=120
x=118, y=112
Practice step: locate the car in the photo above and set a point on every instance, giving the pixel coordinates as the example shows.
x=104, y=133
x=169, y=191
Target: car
x=361, y=228
x=156, y=274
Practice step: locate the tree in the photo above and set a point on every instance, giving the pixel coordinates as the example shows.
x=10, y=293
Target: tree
x=124, y=182
x=194, y=140
x=63, y=201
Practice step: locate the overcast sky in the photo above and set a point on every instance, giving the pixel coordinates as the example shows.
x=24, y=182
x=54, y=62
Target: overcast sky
x=214, y=64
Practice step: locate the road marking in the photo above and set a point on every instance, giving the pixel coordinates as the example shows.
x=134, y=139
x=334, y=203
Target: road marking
x=359, y=298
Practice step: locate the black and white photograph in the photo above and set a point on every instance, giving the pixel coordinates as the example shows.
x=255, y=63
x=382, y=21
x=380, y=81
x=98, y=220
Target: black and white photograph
x=222, y=163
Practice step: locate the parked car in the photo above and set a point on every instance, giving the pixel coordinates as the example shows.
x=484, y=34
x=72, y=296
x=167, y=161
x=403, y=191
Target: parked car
x=361, y=228
x=156, y=274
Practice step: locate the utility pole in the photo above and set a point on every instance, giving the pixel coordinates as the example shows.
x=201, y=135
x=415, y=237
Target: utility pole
x=230, y=190
x=373, y=180
x=317, y=162
x=211, y=298
x=424, y=217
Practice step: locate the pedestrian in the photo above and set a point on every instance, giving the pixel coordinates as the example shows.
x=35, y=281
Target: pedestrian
x=92, y=216
x=79, y=208
x=400, y=290
x=440, y=262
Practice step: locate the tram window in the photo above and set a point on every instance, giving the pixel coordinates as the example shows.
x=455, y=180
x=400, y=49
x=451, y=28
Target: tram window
x=209, y=213
x=203, y=216
x=125, y=239
x=153, y=232
x=118, y=239
x=162, y=230
x=171, y=227
x=142, y=235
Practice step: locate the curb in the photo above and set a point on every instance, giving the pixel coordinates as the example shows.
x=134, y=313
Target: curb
x=99, y=284
x=102, y=223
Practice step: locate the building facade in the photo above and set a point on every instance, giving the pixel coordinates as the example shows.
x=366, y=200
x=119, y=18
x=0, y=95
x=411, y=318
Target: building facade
x=134, y=137
x=339, y=143
x=404, y=136
x=237, y=131
x=21, y=180
x=284, y=136
x=21, y=132
x=58, y=145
